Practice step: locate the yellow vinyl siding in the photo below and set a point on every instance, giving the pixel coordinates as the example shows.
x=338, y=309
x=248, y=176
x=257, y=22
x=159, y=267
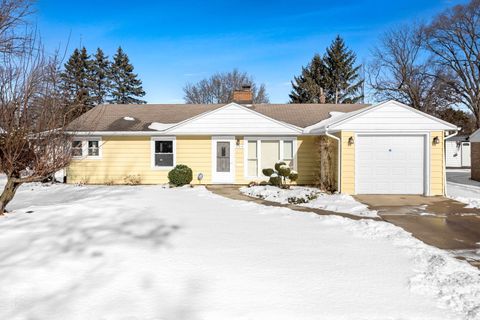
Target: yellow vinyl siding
x=436, y=164
x=348, y=163
x=123, y=156
x=306, y=160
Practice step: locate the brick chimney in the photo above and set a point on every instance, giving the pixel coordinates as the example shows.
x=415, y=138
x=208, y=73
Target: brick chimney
x=244, y=95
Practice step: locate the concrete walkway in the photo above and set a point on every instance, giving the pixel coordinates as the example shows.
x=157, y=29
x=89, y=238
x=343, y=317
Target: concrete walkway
x=233, y=192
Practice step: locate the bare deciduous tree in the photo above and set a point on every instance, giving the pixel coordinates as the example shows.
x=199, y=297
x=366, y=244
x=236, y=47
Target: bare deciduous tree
x=219, y=88
x=33, y=141
x=403, y=70
x=454, y=38
x=13, y=14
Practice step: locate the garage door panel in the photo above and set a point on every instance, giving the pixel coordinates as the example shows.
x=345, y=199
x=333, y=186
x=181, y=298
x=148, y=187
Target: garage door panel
x=390, y=164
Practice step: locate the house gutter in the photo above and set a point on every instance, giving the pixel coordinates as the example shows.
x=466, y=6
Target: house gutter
x=445, y=162
x=339, y=156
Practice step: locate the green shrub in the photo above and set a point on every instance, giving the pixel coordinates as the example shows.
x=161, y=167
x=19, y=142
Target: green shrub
x=268, y=172
x=279, y=164
x=284, y=171
x=293, y=176
x=275, y=180
x=180, y=175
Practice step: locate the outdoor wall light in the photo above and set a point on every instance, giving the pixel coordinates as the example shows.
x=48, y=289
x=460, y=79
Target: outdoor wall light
x=200, y=177
x=436, y=140
x=238, y=142
x=351, y=141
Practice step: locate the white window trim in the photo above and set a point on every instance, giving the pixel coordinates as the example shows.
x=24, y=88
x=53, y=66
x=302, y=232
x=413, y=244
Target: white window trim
x=259, y=153
x=152, y=153
x=85, y=155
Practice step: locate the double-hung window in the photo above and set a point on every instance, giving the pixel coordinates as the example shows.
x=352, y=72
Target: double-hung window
x=93, y=148
x=163, y=152
x=77, y=148
x=86, y=148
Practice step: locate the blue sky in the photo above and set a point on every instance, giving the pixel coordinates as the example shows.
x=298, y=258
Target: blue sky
x=173, y=42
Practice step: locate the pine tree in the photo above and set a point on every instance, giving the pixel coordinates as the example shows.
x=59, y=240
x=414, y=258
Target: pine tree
x=308, y=87
x=76, y=82
x=344, y=81
x=126, y=87
x=332, y=78
x=100, y=77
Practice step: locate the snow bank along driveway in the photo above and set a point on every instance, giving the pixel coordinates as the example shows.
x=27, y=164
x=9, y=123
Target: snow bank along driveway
x=310, y=197
x=72, y=252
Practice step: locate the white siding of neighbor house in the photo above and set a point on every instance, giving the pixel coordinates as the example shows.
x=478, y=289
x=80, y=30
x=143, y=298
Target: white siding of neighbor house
x=390, y=117
x=234, y=120
x=453, y=154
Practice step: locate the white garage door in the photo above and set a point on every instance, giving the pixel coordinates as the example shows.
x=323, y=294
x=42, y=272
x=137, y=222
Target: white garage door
x=390, y=164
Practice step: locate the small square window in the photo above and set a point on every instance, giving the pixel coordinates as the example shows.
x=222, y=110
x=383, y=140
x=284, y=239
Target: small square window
x=164, y=154
x=77, y=149
x=93, y=148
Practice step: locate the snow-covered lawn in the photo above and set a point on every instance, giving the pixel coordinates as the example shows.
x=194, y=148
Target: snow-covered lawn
x=146, y=252
x=461, y=188
x=310, y=197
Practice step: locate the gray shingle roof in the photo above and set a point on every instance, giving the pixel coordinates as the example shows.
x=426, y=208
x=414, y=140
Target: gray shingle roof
x=112, y=117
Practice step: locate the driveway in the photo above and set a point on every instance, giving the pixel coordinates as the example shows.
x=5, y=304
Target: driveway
x=438, y=221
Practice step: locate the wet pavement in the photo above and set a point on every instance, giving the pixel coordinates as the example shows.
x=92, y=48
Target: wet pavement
x=437, y=221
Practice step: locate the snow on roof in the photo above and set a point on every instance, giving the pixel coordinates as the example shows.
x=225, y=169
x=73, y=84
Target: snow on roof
x=160, y=126
x=129, y=118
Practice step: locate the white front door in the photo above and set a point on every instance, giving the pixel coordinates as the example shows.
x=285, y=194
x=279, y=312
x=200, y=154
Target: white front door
x=223, y=160
x=466, y=154
x=390, y=164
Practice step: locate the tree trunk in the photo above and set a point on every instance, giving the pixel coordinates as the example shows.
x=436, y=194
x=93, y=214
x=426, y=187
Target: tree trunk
x=8, y=194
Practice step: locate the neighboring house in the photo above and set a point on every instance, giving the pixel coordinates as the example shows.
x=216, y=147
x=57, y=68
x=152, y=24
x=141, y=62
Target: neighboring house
x=388, y=148
x=475, y=148
x=457, y=152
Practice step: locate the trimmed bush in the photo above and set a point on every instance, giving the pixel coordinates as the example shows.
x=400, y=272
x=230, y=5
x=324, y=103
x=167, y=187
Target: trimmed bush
x=279, y=164
x=293, y=176
x=268, y=172
x=275, y=180
x=180, y=175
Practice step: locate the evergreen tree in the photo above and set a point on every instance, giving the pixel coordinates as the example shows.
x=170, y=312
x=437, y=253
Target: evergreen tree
x=332, y=78
x=100, y=76
x=126, y=87
x=344, y=82
x=308, y=87
x=76, y=82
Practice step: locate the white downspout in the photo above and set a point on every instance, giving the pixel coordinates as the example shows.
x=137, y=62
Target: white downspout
x=339, y=161
x=445, y=162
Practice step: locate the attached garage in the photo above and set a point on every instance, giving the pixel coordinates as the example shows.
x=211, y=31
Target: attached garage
x=390, y=164
x=388, y=148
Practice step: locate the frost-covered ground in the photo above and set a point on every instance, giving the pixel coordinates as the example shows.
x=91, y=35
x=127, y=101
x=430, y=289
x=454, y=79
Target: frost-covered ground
x=145, y=252
x=461, y=188
x=310, y=197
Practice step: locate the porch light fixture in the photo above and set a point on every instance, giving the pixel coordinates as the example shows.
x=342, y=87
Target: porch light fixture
x=436, y=140
x=200, y=177
x=351, y=141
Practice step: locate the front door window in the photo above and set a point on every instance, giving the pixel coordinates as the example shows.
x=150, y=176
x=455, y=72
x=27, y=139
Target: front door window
x=223, y=156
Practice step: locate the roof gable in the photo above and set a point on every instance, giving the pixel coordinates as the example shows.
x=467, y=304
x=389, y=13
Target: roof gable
x=389, y=115
x=475, y=137
x=233, y=119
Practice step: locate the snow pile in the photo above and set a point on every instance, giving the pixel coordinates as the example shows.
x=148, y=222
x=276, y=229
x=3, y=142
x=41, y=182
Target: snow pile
x=129, y=118
x=160, y=126
x=112, y=252
x=454, y=283
x=467, y=194
x=310, y=197
x=461, y=188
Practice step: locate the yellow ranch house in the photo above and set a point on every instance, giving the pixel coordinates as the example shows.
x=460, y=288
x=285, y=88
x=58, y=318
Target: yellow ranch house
x=387, y=148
